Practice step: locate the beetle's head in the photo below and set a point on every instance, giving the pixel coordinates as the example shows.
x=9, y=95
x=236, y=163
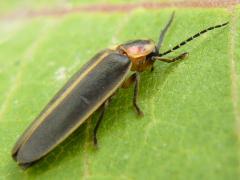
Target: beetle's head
x=139, y=52
x=143, y=53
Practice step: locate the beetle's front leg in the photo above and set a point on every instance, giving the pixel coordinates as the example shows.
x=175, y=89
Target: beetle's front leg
x=103, y=109
x=170, y=60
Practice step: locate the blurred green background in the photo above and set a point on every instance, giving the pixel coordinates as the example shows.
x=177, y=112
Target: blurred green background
x=192, y=120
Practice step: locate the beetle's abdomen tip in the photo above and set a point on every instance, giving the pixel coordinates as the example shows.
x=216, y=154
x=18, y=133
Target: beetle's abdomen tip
x=23, y=166
x=25, y=157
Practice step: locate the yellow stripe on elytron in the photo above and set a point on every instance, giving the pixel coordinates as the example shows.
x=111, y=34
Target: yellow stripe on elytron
x=62, y=96
x=89, y=113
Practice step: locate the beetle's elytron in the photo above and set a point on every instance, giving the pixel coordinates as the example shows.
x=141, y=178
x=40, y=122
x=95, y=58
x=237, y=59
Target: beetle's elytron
x=90, y=89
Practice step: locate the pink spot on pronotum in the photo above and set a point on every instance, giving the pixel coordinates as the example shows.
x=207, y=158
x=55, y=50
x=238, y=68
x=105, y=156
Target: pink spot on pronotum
x=136, y=49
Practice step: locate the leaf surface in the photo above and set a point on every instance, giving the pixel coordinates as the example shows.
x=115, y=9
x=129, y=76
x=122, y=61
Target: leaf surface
x=191, y=125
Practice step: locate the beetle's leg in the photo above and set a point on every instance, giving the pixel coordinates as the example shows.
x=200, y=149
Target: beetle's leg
x=135, y=95
x=103, y=108
x=170, y=60
x=152, y=68
x=134, y=78
x=127, y=83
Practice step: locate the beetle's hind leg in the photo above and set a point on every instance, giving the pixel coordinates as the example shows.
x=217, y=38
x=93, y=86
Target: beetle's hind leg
x=103, y=109
x=152, y=68
x=170, y=60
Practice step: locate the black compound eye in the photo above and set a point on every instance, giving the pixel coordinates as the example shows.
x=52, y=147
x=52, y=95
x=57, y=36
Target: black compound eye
x=150, y=56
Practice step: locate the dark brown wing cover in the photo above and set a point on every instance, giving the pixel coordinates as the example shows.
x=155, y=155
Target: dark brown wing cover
x=80, y=97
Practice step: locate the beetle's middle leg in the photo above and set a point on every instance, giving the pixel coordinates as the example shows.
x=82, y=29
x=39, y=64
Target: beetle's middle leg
x=135, y=95
x=103, y=109
x=134, y=79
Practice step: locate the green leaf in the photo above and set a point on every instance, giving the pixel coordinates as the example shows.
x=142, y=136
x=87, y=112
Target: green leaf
x=191, y=125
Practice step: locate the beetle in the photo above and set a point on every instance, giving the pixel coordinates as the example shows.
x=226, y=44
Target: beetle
x=90, y=89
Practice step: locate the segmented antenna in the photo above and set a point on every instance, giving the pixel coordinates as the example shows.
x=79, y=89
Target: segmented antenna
x=163, y=32
x=193, y=37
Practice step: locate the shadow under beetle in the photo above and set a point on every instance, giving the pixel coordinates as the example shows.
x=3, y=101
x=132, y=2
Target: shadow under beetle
x=90, y=89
